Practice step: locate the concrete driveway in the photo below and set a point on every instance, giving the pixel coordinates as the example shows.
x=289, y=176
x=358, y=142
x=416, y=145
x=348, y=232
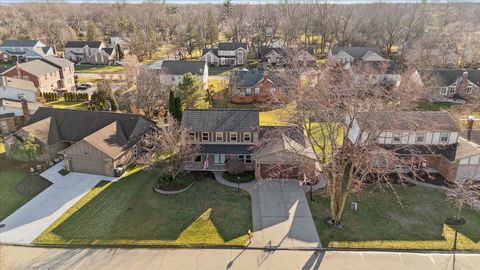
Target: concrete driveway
x=30, y=220
x=284, y=216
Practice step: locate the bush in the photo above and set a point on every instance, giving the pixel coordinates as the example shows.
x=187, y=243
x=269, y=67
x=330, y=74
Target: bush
x=244, y=177
x=166, y=182
x=63, y=172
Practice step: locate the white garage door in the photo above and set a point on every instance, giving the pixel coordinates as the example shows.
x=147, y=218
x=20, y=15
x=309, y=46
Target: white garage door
x=92, y=166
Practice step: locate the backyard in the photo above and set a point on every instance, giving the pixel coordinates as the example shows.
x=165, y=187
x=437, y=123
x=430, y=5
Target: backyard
x=62, y=104
x=130, y=212
x=98, y=69
x=381, y=222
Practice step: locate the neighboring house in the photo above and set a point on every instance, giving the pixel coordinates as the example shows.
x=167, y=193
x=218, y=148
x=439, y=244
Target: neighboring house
x=430, y=135
x=18, y=100
x=44, y=76
x=349, y=54
x=273, y=56
x=467, y=160
x=278, y=56
x=96, y=147
x=66, y=69
x=226, y=134
x=23, y=50
x=248, y=86
x=172, y=71
x=304, y=58
x=90, y=52
x=226, y=54
x=375, y=72
x=121, y=44
x=451, y=84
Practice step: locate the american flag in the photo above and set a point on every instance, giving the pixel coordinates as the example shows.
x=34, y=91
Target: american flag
x=205, y=163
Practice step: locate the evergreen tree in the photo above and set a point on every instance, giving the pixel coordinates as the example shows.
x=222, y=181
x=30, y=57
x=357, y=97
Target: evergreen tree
x=190, y=91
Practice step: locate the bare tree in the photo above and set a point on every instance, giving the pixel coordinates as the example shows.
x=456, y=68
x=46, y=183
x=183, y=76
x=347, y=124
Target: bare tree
x=464, y=193
x=152, y=93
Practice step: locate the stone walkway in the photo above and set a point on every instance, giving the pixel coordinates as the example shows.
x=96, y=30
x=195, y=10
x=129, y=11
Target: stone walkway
x=280, y=212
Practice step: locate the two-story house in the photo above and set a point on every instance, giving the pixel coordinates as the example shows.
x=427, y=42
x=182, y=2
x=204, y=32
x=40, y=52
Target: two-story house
x=428, y=137
x=90, y=52
x=374, y=72
x=450, y=85
x=44, y=76
x=248, y=86
x=18, y=100
x=226, y=54
x=23, y=50
x=235, y=135
x=345, y=55
x=172, y=71
x=66, y=69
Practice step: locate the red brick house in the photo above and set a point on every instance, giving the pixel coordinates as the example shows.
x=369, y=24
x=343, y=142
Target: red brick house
x=45, y=77
x=248, y=86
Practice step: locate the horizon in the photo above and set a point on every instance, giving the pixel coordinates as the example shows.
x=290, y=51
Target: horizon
x=252, y=2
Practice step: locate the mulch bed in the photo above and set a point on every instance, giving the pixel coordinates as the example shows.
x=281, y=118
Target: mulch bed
x=32, y=185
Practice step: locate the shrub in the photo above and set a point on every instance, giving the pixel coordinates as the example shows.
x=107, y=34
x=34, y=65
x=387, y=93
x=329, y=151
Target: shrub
x=63, y=172
x=244, y=177
x=166, y=182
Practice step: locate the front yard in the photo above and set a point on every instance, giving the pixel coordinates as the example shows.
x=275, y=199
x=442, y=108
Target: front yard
x=98, y=69
x=381, y=222
x=130, y=212
x=62, y=104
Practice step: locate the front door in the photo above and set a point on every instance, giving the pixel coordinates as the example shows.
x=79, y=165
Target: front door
x=218, y=158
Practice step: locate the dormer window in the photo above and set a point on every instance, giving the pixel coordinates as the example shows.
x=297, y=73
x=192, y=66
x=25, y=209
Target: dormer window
x=443, y=91
x=191, y=136
x=219, y=136
x=397, y=137
x=247, y=137
x=444, y=137
x=205, y=136
x=451, y=89
x=420, y=137
x=233, y=136
x=469, y=90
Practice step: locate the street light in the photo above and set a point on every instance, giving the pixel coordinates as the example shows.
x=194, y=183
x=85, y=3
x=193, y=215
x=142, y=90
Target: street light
x=238, y=183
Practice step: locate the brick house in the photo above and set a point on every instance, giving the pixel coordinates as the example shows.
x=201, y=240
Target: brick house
x=66, y=69
x=45, y=77
x=248, y=86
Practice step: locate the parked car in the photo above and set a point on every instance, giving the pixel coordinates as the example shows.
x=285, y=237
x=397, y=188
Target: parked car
x=84, y=86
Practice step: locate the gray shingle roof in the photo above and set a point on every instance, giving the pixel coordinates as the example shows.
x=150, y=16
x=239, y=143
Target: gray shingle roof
x=356, y=52
x=19, y=43
x=450, y=76
x=206, y=50
x=230, y=120
x=109, y=51
x=57, y=61
x=174, y=67
x=407, y=121
x=248, y=78
x=81, y=44
x=37, y=67
x=74, y=125
x=231, y=46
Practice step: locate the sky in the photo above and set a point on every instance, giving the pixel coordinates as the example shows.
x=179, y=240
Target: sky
x=235, y=1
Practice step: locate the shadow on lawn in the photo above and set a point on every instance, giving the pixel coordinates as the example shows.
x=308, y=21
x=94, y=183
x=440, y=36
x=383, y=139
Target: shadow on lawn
x=129, y=211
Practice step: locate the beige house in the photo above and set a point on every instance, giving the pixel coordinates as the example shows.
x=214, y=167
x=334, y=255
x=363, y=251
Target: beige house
x=96, y=147
x=90, y=52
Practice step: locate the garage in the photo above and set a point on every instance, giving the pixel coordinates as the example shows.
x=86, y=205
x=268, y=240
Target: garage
x=85, y=165
x=279, y=171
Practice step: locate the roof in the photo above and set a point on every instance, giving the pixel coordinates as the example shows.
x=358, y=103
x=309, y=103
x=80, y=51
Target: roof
x=380, y=67
x=17, y=104
x=46, y=49
x=7, y=115
x=206, y=50
x=231, y=46
x=466, y=149
x=37, y=67
x=475, y=136
x=450, y=76
x=81, y=44
x=174, y=67
x=109, y=51
x=57, y=61
x=111, y=140
x=230, y=120
x=227, y=148
x=249, y=78
x=407, y=121
x=266, y=50
x=75, y=125
x=284, y=138
x=357, y=52
x=17, y=83
x=19, y=43
x=44, y=130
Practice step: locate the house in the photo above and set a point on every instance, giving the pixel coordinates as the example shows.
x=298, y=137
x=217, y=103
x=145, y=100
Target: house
x=344, y=55
x=172, y=71
x=467, y=161
x=18, y=100
x=374, y=72
x=234, y=134
x=44, y=76
x=287, y=57
x=23, y=50
x=450, y=85
x=95, y=147
x=121, y=44
x=66, y=69
x=433, y=136
x=90, y=52
x=226, y=54
x=304, y=59
x=273, y=56
x=248, y=86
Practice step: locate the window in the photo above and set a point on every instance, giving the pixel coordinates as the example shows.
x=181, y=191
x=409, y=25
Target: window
x=451, y=89
x=245, y=158
x=444, y=137
x=197, y=158
x=25, y=78
x=135, y=152
x=46, y=77
x=16, y=77
x=191, y=136
x=247, y=137
x=397, y=137
x=21, y=96
x=257, y=90
x=443, y=91
x=248, y=91
x=420, y=137
x=469, y=90
x=233, y=136
x=205, y=136
x=219, y=136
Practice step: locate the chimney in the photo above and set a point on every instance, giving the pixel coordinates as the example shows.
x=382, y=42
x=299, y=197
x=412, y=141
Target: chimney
x=470, y=121
x=463, y=83
x=17, y=67
x=26, y=112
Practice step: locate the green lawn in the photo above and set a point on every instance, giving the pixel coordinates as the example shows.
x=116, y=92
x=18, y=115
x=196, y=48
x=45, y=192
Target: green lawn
x=381, y=222
x=161, y=53
x=429, y=106
x=62, y=104
x=219, y=71
x=130, y=212
x=2, y=148
x=98, y=69
x=6, y=65
x=10, y=199
x=217, y=85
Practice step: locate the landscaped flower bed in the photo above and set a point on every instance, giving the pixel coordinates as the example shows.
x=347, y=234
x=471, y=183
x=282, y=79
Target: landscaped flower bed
x=167, y=183
x=241, y=177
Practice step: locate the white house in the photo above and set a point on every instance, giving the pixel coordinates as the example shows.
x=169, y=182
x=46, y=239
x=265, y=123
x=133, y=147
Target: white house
x=172, y=71
x=24, y=50
x=90, y=52
x=350, y=54
x=226, y=54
